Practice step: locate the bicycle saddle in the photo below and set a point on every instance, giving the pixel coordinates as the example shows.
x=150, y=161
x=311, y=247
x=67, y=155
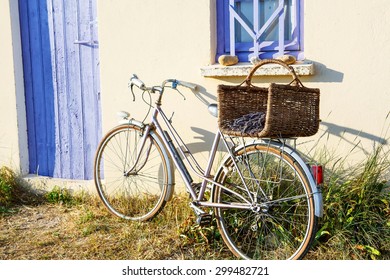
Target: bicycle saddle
x=213, y=109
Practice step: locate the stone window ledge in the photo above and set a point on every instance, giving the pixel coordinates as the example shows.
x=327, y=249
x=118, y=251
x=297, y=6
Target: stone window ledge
x=302, y=68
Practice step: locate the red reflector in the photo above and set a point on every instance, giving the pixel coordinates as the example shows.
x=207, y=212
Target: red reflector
x=317, y=174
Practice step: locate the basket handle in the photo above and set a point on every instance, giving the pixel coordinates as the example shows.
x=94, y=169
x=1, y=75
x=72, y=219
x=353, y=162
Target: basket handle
x=248, y=79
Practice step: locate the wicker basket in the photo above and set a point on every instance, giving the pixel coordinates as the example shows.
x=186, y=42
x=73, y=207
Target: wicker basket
x=292, y=110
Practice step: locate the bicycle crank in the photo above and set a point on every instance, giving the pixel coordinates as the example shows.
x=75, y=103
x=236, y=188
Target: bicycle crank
x=203, y=218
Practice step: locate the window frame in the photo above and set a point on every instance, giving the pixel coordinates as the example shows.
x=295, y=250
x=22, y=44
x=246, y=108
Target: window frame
x=267, y=49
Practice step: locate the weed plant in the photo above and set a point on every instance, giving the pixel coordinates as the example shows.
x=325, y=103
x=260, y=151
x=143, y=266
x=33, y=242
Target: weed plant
x=59, y=195
x=15, y=192
x=356, y=221
x=7, y=186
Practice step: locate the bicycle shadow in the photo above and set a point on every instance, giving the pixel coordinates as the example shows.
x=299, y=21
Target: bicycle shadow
x=206, y=141
x=340, y=131
x=204, y=96
x=206, y=137
x=328, y=129
x=351, y=136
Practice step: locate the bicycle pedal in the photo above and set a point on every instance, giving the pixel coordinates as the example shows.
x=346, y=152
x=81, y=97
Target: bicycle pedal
x=204, y=219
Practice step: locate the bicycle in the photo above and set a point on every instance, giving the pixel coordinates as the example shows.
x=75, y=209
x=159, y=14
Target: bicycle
x=266, y=200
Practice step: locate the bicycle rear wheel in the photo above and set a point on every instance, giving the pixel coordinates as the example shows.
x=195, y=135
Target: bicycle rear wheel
x=281, y=221
x=139, y=194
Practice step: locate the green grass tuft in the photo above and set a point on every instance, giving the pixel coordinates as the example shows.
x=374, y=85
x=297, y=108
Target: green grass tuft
x=7, y=188
x=357, y=209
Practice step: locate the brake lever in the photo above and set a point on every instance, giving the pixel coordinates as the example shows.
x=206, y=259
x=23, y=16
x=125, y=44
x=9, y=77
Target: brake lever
x=181, y=94
x=131, y=88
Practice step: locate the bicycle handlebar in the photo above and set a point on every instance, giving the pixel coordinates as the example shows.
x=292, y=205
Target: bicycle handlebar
x=135, y=81
x=187, y=85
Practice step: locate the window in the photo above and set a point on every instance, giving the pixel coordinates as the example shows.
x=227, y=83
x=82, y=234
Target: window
x=262, y=28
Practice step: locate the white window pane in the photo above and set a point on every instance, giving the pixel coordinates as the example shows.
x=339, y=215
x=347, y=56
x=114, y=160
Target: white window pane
x=266, y=10
x=246, y=9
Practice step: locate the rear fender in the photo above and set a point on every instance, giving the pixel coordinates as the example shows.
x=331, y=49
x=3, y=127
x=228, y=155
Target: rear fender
x=315, y=190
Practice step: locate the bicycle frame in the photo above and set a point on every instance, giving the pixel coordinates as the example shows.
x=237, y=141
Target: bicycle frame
x=205, y=175
x=182, y=168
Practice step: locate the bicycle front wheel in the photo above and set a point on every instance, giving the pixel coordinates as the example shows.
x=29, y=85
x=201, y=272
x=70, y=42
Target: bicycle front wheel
x=132, y=182
x=280, y=222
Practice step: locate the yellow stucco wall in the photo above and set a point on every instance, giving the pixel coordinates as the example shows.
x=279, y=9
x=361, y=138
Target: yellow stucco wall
x=159, y=40
x=175, y=38
x=347, y=42
x=13, y=135
x=350, y=44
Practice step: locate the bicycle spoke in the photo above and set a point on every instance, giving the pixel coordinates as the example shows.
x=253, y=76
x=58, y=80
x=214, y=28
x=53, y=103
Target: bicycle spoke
x=139, y=194
x=280, y=220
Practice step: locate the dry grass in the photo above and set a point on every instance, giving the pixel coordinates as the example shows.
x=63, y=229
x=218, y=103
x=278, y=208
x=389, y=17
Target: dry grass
x=85, y=230
x=61, y=226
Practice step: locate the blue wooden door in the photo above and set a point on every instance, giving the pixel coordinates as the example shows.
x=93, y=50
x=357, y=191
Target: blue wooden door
x=61, y=73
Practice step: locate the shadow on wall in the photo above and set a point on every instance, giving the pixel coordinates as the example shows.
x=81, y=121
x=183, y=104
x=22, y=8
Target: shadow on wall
x=327, y=129
x=342, y=132
x=206, y=141
x=325, y=75
x=204, y=96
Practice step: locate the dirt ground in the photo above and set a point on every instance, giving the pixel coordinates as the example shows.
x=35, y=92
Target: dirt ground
x=39, y=232
x=88, y=231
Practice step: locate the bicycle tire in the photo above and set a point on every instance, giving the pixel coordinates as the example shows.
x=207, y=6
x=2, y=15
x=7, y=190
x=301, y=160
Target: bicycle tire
x=282, y=225
x=141, y=194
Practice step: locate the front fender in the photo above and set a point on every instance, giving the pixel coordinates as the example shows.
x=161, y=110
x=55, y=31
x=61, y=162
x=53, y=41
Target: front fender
x=168, y=160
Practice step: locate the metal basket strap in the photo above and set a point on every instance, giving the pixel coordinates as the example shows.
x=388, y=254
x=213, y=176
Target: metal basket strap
x=248, y=79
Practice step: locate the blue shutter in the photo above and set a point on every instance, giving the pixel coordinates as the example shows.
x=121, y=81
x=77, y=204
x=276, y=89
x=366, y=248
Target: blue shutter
x=61, y=86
